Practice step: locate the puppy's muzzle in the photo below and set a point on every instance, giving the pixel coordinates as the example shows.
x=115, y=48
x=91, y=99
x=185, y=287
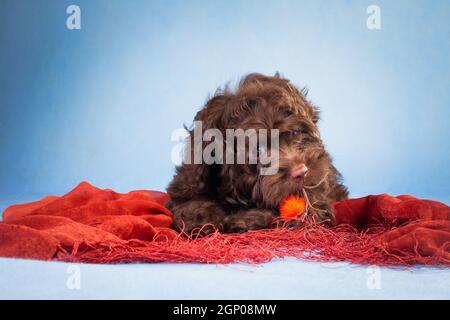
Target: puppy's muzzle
x=298, y=172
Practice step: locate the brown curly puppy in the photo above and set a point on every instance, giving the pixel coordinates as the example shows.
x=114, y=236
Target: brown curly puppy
x=236, y=197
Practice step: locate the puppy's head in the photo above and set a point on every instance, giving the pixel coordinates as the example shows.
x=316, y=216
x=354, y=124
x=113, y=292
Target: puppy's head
x=270, y=106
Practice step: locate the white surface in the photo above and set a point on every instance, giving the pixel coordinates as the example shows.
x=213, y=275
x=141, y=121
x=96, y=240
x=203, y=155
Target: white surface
x=283, y=279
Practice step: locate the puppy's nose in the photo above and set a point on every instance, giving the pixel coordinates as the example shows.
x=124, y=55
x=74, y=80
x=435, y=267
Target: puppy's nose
x=299, y=171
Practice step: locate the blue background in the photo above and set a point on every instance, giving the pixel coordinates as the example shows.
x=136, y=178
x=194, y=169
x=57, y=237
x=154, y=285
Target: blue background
x=100, y=103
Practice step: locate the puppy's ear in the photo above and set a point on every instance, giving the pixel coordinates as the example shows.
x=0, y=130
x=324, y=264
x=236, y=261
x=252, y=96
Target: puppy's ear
x=195, y=177
x=215, y=112
x=313, y=111
x=315, y=114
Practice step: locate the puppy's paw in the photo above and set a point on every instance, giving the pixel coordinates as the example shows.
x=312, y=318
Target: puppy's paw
x=243, y=221
x=198, y=218
x=324, y=212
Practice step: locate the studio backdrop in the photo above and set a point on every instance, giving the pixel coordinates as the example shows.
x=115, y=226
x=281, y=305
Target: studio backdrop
x=98, y=98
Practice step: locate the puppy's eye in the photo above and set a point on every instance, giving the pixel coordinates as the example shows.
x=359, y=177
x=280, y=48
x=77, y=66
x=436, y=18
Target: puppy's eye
x=287, y=113
x=299, y=132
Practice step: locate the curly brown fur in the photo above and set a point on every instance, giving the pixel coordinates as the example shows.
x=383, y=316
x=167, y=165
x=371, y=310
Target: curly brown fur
x=236, y=197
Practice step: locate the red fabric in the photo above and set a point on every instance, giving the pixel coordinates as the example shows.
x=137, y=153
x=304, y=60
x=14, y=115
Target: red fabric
x=86, y=215
x=101, y=226
x=420, y=226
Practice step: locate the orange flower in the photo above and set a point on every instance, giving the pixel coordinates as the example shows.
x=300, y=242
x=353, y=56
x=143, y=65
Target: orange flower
x=291, y=207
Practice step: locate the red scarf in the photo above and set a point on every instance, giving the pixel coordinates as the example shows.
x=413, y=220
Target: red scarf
x=101, y=226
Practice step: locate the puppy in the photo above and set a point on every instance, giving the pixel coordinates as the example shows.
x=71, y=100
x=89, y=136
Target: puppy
x=235, y=197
